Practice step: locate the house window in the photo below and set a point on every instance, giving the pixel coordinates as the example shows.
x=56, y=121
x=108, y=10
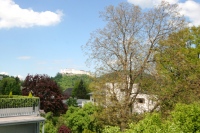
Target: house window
x=140, y=100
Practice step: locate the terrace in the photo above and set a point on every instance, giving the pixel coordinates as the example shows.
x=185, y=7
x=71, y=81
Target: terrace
x=19, y=106
x=20, y=113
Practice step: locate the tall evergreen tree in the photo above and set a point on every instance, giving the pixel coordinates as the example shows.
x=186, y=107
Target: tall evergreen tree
x=80, y=90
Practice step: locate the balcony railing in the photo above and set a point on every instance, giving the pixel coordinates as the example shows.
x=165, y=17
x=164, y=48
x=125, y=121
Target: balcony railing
x=19, y=106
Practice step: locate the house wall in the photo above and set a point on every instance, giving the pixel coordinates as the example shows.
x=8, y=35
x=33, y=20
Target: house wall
x=139, y=106
x=20, y=128
x=143, y=103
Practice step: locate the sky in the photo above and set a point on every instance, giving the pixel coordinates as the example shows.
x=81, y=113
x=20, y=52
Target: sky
x=44, y=36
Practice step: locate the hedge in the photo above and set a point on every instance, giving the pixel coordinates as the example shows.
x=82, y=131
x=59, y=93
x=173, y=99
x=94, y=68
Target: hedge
x=14, y=101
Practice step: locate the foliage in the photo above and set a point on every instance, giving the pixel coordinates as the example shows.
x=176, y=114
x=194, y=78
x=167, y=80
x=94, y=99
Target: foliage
x=125, y=47
x=10, y=94
x=183, y=119
x=16, y=102
x=68, y=81
x=64, y=129
x=48, y=116
x=47, y=90
x=78, y=119
x=71, y=102
x=80, y=90
x=111, y=129
x=10, y=84
x=4, y=76
x=30, y=94
x=152, y=123
x=6, y=96
x=49, y=127
x=87, y=131
x=187, y=117
x=61, y=121
x=178, y=67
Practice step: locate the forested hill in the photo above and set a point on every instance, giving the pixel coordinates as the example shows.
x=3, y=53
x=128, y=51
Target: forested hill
x=68, y=81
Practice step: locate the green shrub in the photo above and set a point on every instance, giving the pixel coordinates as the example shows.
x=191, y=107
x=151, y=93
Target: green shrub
x=150, y=124
x=187, y=117
x=87, y=131
x=111, y=129
x=6, y=96
x=18, y=101
x=184, y=119
x=49, y=127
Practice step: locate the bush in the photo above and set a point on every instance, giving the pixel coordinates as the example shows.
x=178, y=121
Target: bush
x=78, y=119
x=72, y=102
x=150, y=124
x=184, y=119
x=87, y=131
x=111, y=129
x=64, y=129
x=49, y=127
x=187, y=117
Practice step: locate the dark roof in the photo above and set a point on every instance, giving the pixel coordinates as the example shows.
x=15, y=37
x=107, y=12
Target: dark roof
x=68, y=91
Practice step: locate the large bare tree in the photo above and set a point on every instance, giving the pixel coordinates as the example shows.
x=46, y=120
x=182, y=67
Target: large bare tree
x=123, y=50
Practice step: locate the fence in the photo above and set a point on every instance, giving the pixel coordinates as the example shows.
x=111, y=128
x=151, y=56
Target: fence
x=19, y=106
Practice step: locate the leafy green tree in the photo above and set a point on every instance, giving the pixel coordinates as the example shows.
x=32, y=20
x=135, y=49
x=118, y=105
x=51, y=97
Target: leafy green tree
x=49, y=127
x=78, y=119
x=183, y=119
x=71, y=102
x=4, y=76
x=178, y=67
x=187, y=117
x=152, y=123
x=58, y=77
x=80, y=90
x=10, y=84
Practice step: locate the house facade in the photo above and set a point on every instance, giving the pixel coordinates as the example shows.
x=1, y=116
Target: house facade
x=143, y=102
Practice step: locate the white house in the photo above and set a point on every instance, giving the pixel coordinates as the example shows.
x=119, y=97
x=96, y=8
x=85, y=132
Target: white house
x=143, y=102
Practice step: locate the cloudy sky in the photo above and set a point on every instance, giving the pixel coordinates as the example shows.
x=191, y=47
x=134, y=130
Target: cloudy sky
x=44, y=36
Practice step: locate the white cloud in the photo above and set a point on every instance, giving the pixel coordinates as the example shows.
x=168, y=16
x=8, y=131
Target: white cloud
x=149, y=3
x=4, y=73
x=189, y=8
x=12, y=15
x=24, y=57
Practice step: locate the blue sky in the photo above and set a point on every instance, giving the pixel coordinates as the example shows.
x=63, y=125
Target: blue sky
x=44, y=36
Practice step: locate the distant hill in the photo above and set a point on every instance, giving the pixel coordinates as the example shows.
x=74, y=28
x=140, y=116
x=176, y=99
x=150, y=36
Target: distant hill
x=68, y=81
